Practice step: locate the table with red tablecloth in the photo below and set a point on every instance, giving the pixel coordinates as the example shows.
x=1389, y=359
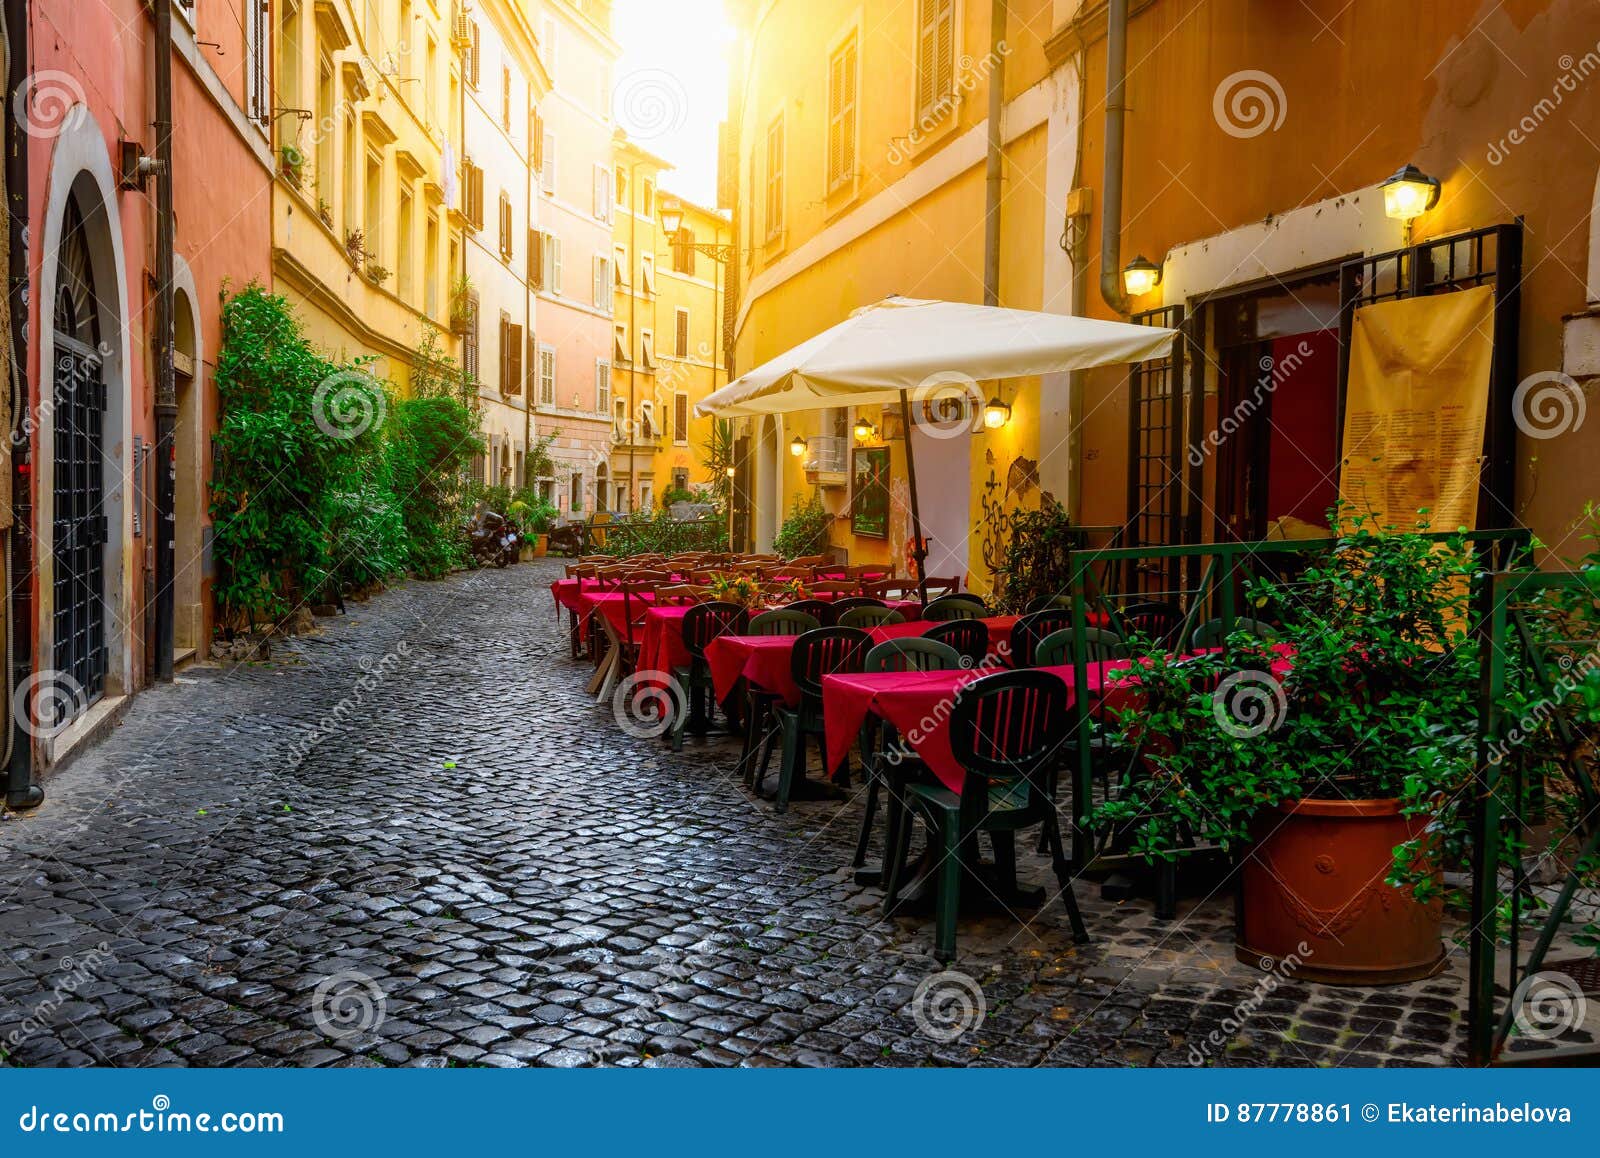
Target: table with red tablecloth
x=917, y=705
x=764, y=660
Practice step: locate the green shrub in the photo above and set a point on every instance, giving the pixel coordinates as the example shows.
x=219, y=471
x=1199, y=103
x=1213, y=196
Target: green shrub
x=805, y=531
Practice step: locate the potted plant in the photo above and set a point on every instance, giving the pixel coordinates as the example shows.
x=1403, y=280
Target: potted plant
x=1325, y=771
x=291, y=162
x=538, y=518
x=805, y=531
x=461, y=305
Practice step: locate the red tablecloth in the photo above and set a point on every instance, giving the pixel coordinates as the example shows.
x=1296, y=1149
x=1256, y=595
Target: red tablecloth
x=918, y=705
x=764, y=659
x=565, y=591
x=999, y=631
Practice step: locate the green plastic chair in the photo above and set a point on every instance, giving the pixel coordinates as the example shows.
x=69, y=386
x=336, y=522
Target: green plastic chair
x=1214, y=632
x=826, y=651
x=948, y=607
x=1004, y=731
x=865, y=617
x=1055, y=649
x=702, y=623
x=784, y=621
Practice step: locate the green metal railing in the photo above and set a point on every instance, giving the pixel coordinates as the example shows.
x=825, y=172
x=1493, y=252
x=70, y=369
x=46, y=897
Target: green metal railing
x=1501, y=600
x=1221, y=570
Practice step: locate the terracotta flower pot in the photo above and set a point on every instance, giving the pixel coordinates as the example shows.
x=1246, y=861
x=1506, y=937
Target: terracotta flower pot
x=1315, y=901
x=541, y=546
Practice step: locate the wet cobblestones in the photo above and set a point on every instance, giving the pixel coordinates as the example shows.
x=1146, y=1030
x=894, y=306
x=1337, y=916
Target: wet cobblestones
x=470, y=863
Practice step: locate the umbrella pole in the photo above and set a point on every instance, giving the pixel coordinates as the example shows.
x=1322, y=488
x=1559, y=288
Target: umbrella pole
x=919, y=546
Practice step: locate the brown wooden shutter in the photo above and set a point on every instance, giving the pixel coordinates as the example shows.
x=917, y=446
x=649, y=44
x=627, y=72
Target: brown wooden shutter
x=536, y=259
x=536, y=133
x=469, y=339
x=680, y=419
x=683, y=334
x=514, y=367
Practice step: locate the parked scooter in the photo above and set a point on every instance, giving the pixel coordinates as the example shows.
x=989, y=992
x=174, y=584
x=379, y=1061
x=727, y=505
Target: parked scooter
x=494, y=539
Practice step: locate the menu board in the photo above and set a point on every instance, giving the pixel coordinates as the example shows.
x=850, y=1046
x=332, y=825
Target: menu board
x=1415, y=407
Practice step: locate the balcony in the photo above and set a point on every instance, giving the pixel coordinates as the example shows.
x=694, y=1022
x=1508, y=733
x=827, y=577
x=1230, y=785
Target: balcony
x=828, y=460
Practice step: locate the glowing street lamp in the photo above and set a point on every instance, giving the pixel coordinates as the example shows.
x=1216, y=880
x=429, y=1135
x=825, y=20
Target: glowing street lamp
x=1409, y=194
x=797, y=447
x=996, y=413
x=671, y=216
x=1140, y=276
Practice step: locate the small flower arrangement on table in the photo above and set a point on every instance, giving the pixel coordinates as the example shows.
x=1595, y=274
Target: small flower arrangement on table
x=736, y=588
x=794, y=590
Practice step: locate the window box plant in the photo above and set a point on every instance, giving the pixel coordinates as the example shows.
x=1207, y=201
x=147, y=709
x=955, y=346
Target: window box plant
x=291, y=162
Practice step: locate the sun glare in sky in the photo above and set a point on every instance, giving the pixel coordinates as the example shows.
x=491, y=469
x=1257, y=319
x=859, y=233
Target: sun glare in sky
x=671, y=88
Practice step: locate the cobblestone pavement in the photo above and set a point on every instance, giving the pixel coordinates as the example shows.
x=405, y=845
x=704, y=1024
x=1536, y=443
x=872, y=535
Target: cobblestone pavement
x=469, y=862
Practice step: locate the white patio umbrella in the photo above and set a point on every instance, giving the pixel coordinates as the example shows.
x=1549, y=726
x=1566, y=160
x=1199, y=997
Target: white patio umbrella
x=889, y=351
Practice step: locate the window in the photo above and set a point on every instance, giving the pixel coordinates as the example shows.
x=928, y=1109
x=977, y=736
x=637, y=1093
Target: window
x=550, y=41
x=258, y=38
x=647, y=496
x=683, y=253
x=536, y=140
x=352, y=203
x=601, y=486
x=619, y=351
x=547, y=492
x=619, y=266
x=535, y=259
x=680, y=345
x=552, y=264
x=472, y=194
x=469, y=339
x=530, y=367
x=507, y=246
x=430, y=78
x=404, y=261
x=936, y=56
x=602, y=386
x=547, y=161
x=430, y=267
x=647, y=421
x=622, y=497
x=647, y=350
x=289, y=54
x=647, y=274
x=842, y=116
x=602, y=193
x=547, y=375
x=505, y=97
x=510, y=356
x=647, y=198
x=403, y=55
x=325, y=122
x=521, y=480
x=775, y=159
x=602, y=283
x=622, y=189
x=680, y=419
x=372, y=224
x=474, y=55
x=577, y=493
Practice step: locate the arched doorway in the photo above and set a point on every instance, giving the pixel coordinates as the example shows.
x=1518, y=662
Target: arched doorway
x=78, y=480
x=189, y=498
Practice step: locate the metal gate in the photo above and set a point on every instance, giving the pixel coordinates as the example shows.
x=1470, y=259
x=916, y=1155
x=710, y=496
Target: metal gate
x=78, y=527
x=1155, y=458
x=1489, y=256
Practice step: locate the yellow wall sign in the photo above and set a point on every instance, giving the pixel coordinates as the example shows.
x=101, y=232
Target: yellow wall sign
x=1415, y=407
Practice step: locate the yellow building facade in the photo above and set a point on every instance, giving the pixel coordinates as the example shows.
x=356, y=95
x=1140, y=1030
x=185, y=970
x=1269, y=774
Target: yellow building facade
x=856, y=158
x=669, y=350
x=368, y=211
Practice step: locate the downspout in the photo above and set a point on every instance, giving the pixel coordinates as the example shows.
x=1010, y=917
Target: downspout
x=21, y=792
x=1111, y=193
x=530, y=373
x=631, y=426
x=166, y=384
x=993, y=171
x=1078, y=254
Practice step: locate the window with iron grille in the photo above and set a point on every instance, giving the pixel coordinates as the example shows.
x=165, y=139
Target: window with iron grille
x=936, y=57
x=258, y=35
x=842, y=116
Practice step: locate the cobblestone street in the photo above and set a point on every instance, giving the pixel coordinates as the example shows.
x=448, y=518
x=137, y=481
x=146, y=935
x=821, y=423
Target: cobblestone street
x=525, y=883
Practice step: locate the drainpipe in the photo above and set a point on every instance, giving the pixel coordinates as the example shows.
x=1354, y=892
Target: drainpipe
x=530, y=372
x=21, y=792
x=1078, y=253
x=992, y=168
x=166, y=385
x=1116, y=110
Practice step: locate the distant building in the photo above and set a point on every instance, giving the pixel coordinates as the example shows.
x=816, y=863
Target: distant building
x=498, y=315
x=571, y=375
x=668, y=349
